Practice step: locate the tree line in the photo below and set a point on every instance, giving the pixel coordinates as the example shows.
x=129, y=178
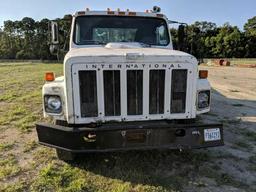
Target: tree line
x=29, y=39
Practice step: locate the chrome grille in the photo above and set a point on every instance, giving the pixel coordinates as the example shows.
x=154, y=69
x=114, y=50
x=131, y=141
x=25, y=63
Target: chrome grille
x=145, y=92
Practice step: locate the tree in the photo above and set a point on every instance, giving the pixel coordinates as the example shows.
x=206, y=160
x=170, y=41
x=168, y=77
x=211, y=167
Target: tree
x=250, y=36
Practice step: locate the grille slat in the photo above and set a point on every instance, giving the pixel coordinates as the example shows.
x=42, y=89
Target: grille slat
x=112, y=99
x=179, y=90
x=156, y=91
x=135, y=92
x=88, y=93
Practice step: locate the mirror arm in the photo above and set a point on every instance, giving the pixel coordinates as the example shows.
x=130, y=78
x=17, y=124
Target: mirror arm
x=177, y=22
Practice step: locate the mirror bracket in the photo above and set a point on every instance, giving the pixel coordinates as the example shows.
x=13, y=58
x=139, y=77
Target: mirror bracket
x=54, y=33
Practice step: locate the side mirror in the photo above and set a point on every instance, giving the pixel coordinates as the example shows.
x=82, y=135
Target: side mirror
x=181, y=37
x=54, y=42
x=54, y=49
x=55, y=33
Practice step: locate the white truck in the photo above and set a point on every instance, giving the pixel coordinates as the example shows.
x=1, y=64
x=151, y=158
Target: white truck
x=125, y=88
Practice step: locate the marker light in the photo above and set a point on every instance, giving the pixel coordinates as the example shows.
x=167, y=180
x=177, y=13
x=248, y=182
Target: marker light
x=203, y=74
x=49, y=76
x=160, y=15
x=111, y=12
x=81, y=13
x=132, y=13
x=121, y=13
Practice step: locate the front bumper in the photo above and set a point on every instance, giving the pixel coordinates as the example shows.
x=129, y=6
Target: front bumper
x=131, y=136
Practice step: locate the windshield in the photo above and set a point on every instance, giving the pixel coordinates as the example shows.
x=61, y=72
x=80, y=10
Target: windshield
x=97, y=30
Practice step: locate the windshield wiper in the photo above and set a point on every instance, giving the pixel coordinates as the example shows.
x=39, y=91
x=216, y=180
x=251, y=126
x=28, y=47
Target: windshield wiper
x=92, y=42
x=144, y=44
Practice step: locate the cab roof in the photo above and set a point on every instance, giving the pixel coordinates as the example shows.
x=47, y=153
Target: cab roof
x=121, y=13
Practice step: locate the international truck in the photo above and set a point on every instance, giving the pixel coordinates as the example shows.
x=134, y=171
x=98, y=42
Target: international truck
x=125, y=88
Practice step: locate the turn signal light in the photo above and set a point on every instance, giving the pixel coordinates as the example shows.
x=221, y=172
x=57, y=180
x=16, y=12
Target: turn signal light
x=203, y=74
x=49, y=76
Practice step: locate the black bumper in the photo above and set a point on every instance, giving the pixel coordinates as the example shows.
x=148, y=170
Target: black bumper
x=133, y=136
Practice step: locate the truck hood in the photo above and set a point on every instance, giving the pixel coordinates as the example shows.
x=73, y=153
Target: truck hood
x=99, y=54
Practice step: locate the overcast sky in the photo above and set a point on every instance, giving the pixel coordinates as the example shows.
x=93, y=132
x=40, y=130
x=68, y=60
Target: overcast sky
x=236, y=12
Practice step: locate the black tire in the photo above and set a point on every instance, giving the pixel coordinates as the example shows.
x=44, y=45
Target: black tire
x=65, y=155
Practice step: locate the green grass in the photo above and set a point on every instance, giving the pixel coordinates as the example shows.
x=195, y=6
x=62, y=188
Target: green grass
x=19, y=186
x=242, y=144
x=250, y=135
x=8, y=167
x=6, y=146
x=20, y=88
x=29, y=146
x=238, y=105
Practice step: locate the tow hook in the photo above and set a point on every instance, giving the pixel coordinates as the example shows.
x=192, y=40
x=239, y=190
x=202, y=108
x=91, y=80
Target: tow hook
x=90, y=138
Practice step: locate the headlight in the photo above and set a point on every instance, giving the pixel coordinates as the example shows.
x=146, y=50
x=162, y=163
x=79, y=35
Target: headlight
x=203, y=99
x=52, y=104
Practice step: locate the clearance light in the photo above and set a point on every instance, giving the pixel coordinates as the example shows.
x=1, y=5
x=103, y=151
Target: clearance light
x=111, y=12
x=132, y=13
x=121, y=13
x=81, y=13
x=203, y=74
x=49, y=76
x=160, y=15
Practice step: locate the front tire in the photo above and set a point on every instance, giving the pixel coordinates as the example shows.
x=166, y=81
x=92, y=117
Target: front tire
x=65, y=155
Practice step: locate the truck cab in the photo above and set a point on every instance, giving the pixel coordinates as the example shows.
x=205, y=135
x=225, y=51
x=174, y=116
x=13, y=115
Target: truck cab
x=125, y=88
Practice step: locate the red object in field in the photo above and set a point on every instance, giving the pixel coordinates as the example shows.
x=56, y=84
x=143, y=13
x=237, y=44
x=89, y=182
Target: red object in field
x=222, y=62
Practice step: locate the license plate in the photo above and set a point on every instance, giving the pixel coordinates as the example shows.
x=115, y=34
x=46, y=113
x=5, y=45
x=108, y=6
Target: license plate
x=212, y=134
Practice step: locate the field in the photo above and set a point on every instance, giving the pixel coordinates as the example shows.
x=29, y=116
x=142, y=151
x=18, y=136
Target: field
x=237, y=62
x=26, y=166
